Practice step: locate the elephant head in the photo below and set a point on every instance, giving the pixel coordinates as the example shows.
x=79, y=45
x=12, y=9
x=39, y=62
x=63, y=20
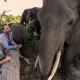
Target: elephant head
x=31, y=14
x=57, y=19
x=25, y=17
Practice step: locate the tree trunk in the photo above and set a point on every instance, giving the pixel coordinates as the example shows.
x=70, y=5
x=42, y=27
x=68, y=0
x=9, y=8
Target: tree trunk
x=11, y=70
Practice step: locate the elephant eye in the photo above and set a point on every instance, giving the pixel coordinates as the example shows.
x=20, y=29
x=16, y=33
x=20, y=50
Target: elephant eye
x=71, y=22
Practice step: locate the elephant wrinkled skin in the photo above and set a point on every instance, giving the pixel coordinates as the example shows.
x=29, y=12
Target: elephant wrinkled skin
x=59, y=20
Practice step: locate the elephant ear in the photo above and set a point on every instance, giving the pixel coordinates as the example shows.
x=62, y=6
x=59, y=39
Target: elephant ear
x=34, y=12
x=28, y=16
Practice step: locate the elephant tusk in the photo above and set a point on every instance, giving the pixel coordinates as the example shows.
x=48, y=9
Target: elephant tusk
x=36, y=62
x=25, y=59
x=55, y=66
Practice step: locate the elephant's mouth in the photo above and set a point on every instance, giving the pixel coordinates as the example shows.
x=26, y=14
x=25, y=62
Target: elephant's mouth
x=54, y=67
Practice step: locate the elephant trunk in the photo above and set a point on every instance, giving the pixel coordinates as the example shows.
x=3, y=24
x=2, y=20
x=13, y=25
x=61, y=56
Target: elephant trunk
x=54, y=67
x=49, y=46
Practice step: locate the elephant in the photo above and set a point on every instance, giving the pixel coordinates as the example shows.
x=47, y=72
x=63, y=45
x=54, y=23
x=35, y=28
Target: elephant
x=59, y=20
x=20, y=36
x=31, y=14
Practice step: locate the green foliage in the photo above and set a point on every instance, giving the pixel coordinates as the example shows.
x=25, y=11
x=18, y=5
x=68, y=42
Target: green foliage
x=32, y=29
x=74, y=77
x=9, y=19
x=32, y=48
x=26, y=69
x=5, y=19
x=32, y=39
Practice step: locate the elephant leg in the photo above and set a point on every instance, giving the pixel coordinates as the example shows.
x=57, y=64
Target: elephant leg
x=68, y=56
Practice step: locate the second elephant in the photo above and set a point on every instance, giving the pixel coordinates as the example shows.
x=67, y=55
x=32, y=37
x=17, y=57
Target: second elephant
x=20, y=36
x=31, y=14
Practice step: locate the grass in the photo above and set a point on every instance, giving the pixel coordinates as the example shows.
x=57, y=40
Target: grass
x=74, y=78
x=26, y=69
